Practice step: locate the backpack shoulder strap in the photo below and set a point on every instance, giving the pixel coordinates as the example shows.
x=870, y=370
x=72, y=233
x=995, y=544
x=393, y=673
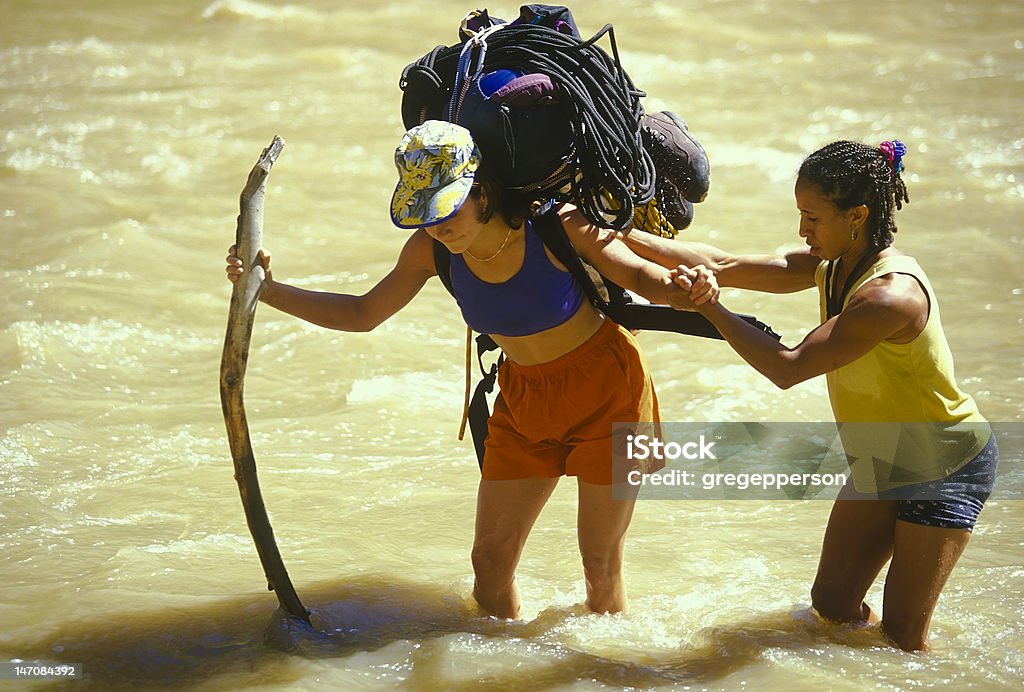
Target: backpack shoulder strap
x=443, y=265
x=549, y=227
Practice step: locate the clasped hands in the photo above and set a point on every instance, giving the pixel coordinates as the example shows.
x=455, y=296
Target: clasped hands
x=689, y=287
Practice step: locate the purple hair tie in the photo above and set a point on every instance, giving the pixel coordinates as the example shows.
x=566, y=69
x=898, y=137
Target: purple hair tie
x=894, y=152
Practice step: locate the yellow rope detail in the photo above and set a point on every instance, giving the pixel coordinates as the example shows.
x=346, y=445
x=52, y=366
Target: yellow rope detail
x=465, y=400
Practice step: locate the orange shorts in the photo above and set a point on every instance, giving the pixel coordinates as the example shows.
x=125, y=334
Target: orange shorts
x=555, y=419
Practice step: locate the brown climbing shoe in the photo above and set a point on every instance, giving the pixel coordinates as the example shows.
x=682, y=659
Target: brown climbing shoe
x=678, y=157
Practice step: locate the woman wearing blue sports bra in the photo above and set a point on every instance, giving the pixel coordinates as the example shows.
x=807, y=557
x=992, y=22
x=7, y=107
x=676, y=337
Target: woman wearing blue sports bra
x=568, y=374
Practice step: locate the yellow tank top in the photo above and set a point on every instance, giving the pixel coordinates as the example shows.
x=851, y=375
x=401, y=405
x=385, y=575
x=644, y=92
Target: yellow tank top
x=902, y=417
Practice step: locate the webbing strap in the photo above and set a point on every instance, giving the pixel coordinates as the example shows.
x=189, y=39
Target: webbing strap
x=478, y=410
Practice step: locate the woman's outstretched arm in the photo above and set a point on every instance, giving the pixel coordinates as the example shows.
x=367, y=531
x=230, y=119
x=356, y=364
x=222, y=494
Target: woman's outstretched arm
x=768, y=273
x=891, y=307
x=602, y=248
x=346, y=312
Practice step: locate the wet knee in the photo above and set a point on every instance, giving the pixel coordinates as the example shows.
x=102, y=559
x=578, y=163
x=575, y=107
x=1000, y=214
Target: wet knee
x=834, y=604
x=602, y=567
x=494, y=559
x=907, y=636
x=823, y=600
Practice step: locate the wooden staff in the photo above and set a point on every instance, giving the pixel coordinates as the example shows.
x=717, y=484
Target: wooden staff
x=244, y=297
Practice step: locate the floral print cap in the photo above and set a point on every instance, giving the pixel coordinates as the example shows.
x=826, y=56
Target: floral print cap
x=436, y=163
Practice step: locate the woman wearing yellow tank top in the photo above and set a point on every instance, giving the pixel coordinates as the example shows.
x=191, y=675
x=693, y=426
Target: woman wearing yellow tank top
x=922, y=457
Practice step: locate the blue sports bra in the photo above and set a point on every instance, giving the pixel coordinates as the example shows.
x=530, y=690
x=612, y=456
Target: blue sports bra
x=538, y=297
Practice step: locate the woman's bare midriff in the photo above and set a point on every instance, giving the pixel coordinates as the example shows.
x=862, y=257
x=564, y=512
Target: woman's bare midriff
x=552, y=343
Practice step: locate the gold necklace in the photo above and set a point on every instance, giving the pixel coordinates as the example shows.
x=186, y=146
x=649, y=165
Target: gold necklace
x=503, y=244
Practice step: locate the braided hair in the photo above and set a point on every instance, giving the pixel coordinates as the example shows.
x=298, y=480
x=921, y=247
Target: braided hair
x=851, y=173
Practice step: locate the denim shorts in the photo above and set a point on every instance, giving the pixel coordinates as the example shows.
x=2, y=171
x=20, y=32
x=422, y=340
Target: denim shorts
x=953, y=502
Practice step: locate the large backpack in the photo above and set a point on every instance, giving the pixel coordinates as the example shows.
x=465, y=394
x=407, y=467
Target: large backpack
x=588, y=127
x=570, y=125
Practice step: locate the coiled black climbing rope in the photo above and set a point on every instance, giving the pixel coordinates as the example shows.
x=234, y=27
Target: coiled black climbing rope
x=611, y=172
